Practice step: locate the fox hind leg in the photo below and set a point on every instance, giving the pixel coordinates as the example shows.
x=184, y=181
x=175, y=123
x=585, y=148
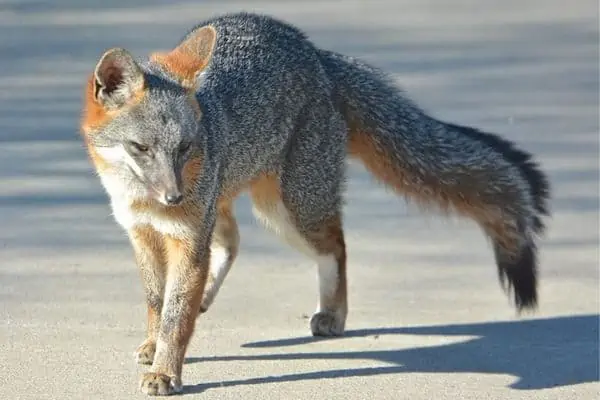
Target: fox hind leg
x=302, y=204
x=323, y=242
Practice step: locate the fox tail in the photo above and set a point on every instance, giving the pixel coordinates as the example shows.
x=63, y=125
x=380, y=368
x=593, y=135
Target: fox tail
x=453, y=168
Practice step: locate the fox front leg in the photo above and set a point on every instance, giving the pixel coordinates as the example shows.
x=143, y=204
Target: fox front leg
x=188, y=263
x=149, y=255
x=223, y=251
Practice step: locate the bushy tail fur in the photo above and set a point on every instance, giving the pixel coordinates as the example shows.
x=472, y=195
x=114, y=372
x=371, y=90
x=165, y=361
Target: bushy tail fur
x=455, y=168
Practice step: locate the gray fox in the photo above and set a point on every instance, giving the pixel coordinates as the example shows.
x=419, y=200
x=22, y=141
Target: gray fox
x=246, y=102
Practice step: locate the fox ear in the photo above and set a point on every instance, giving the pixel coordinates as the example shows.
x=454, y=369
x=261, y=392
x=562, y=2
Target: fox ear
x=117, y=79
x=190, y=57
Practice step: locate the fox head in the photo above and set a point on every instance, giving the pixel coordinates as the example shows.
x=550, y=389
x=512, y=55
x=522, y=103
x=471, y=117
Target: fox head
x=142, y=123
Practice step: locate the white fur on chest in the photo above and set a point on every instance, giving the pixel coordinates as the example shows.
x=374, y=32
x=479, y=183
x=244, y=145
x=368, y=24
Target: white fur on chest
x=130, y=218
x=123, y=195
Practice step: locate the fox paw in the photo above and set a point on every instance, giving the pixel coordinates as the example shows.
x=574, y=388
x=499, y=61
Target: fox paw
x=145, y=352
x=326, y=323
x=157, y=384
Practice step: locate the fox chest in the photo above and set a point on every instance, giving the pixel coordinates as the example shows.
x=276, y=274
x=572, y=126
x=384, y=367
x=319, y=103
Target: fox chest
x=125, y=195
x=130, y=217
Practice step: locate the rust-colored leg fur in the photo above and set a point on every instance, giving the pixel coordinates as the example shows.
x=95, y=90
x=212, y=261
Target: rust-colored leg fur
x=332, y=309
x=188, y=261
x=150, y=257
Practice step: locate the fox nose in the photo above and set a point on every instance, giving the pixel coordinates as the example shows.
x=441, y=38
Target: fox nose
x=173, y=198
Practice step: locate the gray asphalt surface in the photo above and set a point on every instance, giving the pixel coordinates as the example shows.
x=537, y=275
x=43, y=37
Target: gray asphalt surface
x=428, y=319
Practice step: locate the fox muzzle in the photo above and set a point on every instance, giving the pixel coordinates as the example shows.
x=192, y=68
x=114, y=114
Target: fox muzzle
x=169, y=185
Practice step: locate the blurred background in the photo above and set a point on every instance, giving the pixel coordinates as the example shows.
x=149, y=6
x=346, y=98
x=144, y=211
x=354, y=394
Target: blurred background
x=525, y=69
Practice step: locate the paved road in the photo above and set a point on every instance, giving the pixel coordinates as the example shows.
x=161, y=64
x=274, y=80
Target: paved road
x=428, y=319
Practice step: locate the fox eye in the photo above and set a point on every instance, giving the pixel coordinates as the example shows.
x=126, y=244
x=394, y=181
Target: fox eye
x=184, y=147
x=139, y=147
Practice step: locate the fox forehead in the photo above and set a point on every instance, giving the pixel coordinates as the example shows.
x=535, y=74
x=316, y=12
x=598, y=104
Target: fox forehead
x=166, y=105
x=158, y=120
x=165, y=112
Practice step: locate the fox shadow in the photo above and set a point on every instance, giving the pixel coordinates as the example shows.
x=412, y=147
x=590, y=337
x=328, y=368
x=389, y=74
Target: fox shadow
x=540, y=353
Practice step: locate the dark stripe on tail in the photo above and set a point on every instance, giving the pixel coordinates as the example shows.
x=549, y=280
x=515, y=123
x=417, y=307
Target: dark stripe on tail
x=539, y=187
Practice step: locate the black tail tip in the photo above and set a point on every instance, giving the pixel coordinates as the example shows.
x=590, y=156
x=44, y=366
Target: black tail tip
x=518, y=275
